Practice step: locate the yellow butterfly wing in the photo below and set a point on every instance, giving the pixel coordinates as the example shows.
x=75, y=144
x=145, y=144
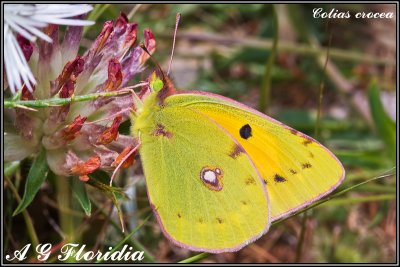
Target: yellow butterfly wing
x=297, y=169
x=204, y=189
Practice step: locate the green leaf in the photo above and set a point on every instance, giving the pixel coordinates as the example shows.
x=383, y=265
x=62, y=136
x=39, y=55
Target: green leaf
x=80, y=193
x=11, y=167
x=36, y=176
x=385, y=126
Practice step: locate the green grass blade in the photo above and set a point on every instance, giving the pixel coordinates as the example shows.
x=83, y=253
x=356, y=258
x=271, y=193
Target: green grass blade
x=385, y=127
x=11, y=167
x=195, y=258
x=36, y=176
x=389, y=173
x=80, y=193
x=128, y=236
x=265, y=89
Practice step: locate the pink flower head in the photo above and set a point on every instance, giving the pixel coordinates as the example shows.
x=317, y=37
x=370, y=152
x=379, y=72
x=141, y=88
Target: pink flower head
x=71, y=141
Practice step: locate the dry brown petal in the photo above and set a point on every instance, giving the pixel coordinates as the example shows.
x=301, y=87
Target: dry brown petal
x=131, y=35
x=70, y=71
x=121, y=21
x=111, y=133
x=26, y=46
x=129, y=161
x=89, y=166
x=103, y=36
x=73, y=129
x=150, y=44
x=26, y=94
x=114, y=79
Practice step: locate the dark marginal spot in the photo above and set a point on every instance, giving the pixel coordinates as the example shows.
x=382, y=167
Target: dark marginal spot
x=292, y=171
x=265, y=182
x=160, y=130
x=179, y=215
x=219, y=220
x=311, y=155
x=236, y=151
x=293, y=131
x=245, y=131
x=306, y=165
x=307, y=140
x=250, y=181
x=279, y=179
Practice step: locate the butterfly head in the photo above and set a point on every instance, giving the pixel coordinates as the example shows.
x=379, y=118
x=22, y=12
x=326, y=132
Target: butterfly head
x=161, y=85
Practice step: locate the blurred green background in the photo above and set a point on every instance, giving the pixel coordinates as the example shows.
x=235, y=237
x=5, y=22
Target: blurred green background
x=226, y=49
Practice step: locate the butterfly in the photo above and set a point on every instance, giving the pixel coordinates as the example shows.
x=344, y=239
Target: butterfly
x=219, y=172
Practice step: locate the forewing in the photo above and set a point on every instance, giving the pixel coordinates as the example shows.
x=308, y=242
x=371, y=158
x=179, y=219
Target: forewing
x=203, y=187
x=297, y=169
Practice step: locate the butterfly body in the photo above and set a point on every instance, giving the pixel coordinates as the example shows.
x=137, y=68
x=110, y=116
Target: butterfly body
x=218, y=172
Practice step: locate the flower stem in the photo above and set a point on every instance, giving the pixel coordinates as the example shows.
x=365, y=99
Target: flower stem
x=64, y=201
x=44, y=103
x=300, y=244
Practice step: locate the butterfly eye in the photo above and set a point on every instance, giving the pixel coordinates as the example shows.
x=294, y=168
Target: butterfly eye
x=245, y=131
x=212, y=178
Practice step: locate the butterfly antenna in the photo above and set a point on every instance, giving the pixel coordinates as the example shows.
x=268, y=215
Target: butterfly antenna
x=178, y=18
x=154, y=61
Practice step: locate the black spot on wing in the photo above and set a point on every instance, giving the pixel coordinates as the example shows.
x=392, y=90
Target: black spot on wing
x=245, y=131
x=306, y=165
x=292, y=171
x=219, y=220
x=279, y=179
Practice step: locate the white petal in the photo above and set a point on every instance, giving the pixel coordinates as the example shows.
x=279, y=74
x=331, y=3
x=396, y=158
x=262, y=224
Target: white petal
x=21, y=31
x=72, y=22
x=63, y=11
x=26, y=19
x=17, y=67
x=24, y=67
